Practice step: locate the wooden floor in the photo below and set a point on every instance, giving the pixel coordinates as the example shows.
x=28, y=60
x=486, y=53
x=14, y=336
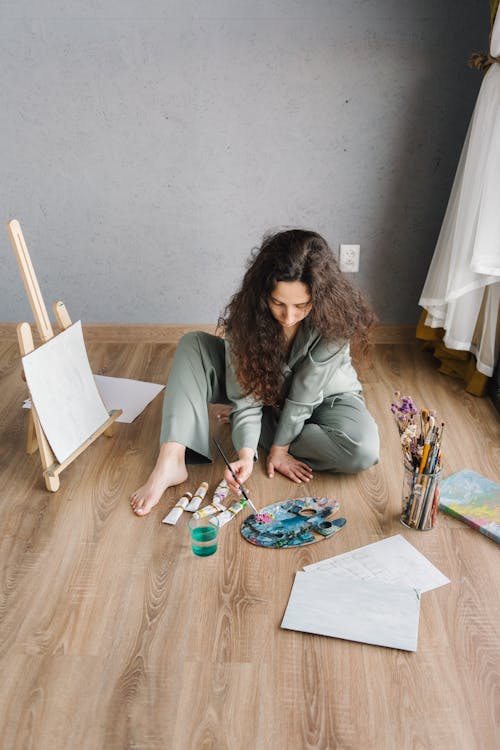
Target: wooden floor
x=113, y=635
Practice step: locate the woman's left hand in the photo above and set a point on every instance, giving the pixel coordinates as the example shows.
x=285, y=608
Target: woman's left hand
x=279, y=459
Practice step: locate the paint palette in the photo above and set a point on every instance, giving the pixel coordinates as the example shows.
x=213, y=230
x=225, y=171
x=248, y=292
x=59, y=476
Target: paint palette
x=293, y=523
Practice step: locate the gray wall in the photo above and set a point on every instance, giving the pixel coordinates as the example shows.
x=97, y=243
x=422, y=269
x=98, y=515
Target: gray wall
x=146, y=145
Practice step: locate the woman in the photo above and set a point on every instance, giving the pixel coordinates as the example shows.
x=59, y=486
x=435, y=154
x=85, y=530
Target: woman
x=284, y=367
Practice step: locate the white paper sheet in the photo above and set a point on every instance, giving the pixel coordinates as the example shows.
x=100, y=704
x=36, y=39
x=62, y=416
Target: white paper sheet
x=64, y=392
x=354, y=610
x=391, y=560
x=132, y=396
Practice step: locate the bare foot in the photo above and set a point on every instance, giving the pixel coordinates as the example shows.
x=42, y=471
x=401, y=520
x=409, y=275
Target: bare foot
x=223, y=414
x=170, y=470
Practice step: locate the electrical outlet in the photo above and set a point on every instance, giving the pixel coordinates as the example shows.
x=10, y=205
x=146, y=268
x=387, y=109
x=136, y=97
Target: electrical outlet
x=349, y=258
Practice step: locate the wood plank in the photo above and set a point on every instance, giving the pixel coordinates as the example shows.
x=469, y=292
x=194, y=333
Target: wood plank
x=113, y=635
x=170, y=333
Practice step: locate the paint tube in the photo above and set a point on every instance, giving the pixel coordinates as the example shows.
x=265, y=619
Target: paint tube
x=177, y=510
x=198, y=497
x=221, y=492
x=216, y=506
x=210, y=510
x=229, y=514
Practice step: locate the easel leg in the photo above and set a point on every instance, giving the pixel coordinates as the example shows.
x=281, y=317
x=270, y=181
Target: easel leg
x=51, y=482
x=46, y=456
x=31, y=441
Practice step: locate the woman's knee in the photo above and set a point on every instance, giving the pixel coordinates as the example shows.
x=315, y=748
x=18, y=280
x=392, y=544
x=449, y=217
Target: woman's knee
x=365, y=455
x=327, y=448
x=199, y=365
x=356, y=454
x=200, y=346
x=188, y=352
x=190, y=341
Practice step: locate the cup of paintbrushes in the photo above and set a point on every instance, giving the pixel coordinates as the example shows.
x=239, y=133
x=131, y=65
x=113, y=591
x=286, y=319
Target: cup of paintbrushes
x=420, y=497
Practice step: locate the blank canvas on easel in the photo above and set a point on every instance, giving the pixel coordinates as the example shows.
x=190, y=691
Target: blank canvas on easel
x=63, y=390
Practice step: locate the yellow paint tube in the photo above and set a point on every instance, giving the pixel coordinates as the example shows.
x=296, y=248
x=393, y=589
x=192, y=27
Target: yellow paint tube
x=230, y=513
x=209, y=510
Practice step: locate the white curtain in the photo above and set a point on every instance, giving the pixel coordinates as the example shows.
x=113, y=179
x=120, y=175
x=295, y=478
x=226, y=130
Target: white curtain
x=462, y=291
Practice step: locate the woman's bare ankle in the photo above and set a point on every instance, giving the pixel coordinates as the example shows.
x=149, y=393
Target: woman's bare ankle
x=172, y=452
x=170, y=470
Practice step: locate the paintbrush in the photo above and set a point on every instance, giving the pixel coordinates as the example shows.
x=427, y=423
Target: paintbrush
x=242, y=489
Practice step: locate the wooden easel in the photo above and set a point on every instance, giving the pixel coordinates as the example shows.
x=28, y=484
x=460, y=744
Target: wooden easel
x=36, y=437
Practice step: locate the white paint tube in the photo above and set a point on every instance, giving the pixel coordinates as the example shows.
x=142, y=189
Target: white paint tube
x=198, y=497
x=178, y=508
x=229, y=514
x=221, y=492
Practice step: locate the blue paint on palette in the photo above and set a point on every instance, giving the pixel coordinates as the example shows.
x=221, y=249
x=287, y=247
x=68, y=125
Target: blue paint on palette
x=293, y=523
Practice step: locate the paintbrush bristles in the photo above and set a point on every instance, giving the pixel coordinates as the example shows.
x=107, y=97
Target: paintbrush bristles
x=422, y=451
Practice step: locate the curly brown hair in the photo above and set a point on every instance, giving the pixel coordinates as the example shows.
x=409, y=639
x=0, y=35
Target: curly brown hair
x=339, y=310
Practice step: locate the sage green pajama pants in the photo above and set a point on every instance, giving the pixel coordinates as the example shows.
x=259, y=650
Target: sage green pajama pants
x=340, y=436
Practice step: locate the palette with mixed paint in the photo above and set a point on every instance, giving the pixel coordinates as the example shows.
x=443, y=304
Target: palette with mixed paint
x=293, y=523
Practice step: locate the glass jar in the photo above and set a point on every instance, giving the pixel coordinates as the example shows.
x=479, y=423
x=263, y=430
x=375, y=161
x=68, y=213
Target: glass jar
x=420, y=499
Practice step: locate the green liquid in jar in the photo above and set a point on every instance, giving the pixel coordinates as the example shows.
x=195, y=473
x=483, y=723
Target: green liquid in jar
x=204, y=541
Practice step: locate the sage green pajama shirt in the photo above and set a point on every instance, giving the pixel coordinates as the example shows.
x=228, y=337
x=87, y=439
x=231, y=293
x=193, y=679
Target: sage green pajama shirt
x=323, y=418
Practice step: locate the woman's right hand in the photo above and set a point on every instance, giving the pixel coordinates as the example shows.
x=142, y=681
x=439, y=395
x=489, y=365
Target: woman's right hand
x=242, y=468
